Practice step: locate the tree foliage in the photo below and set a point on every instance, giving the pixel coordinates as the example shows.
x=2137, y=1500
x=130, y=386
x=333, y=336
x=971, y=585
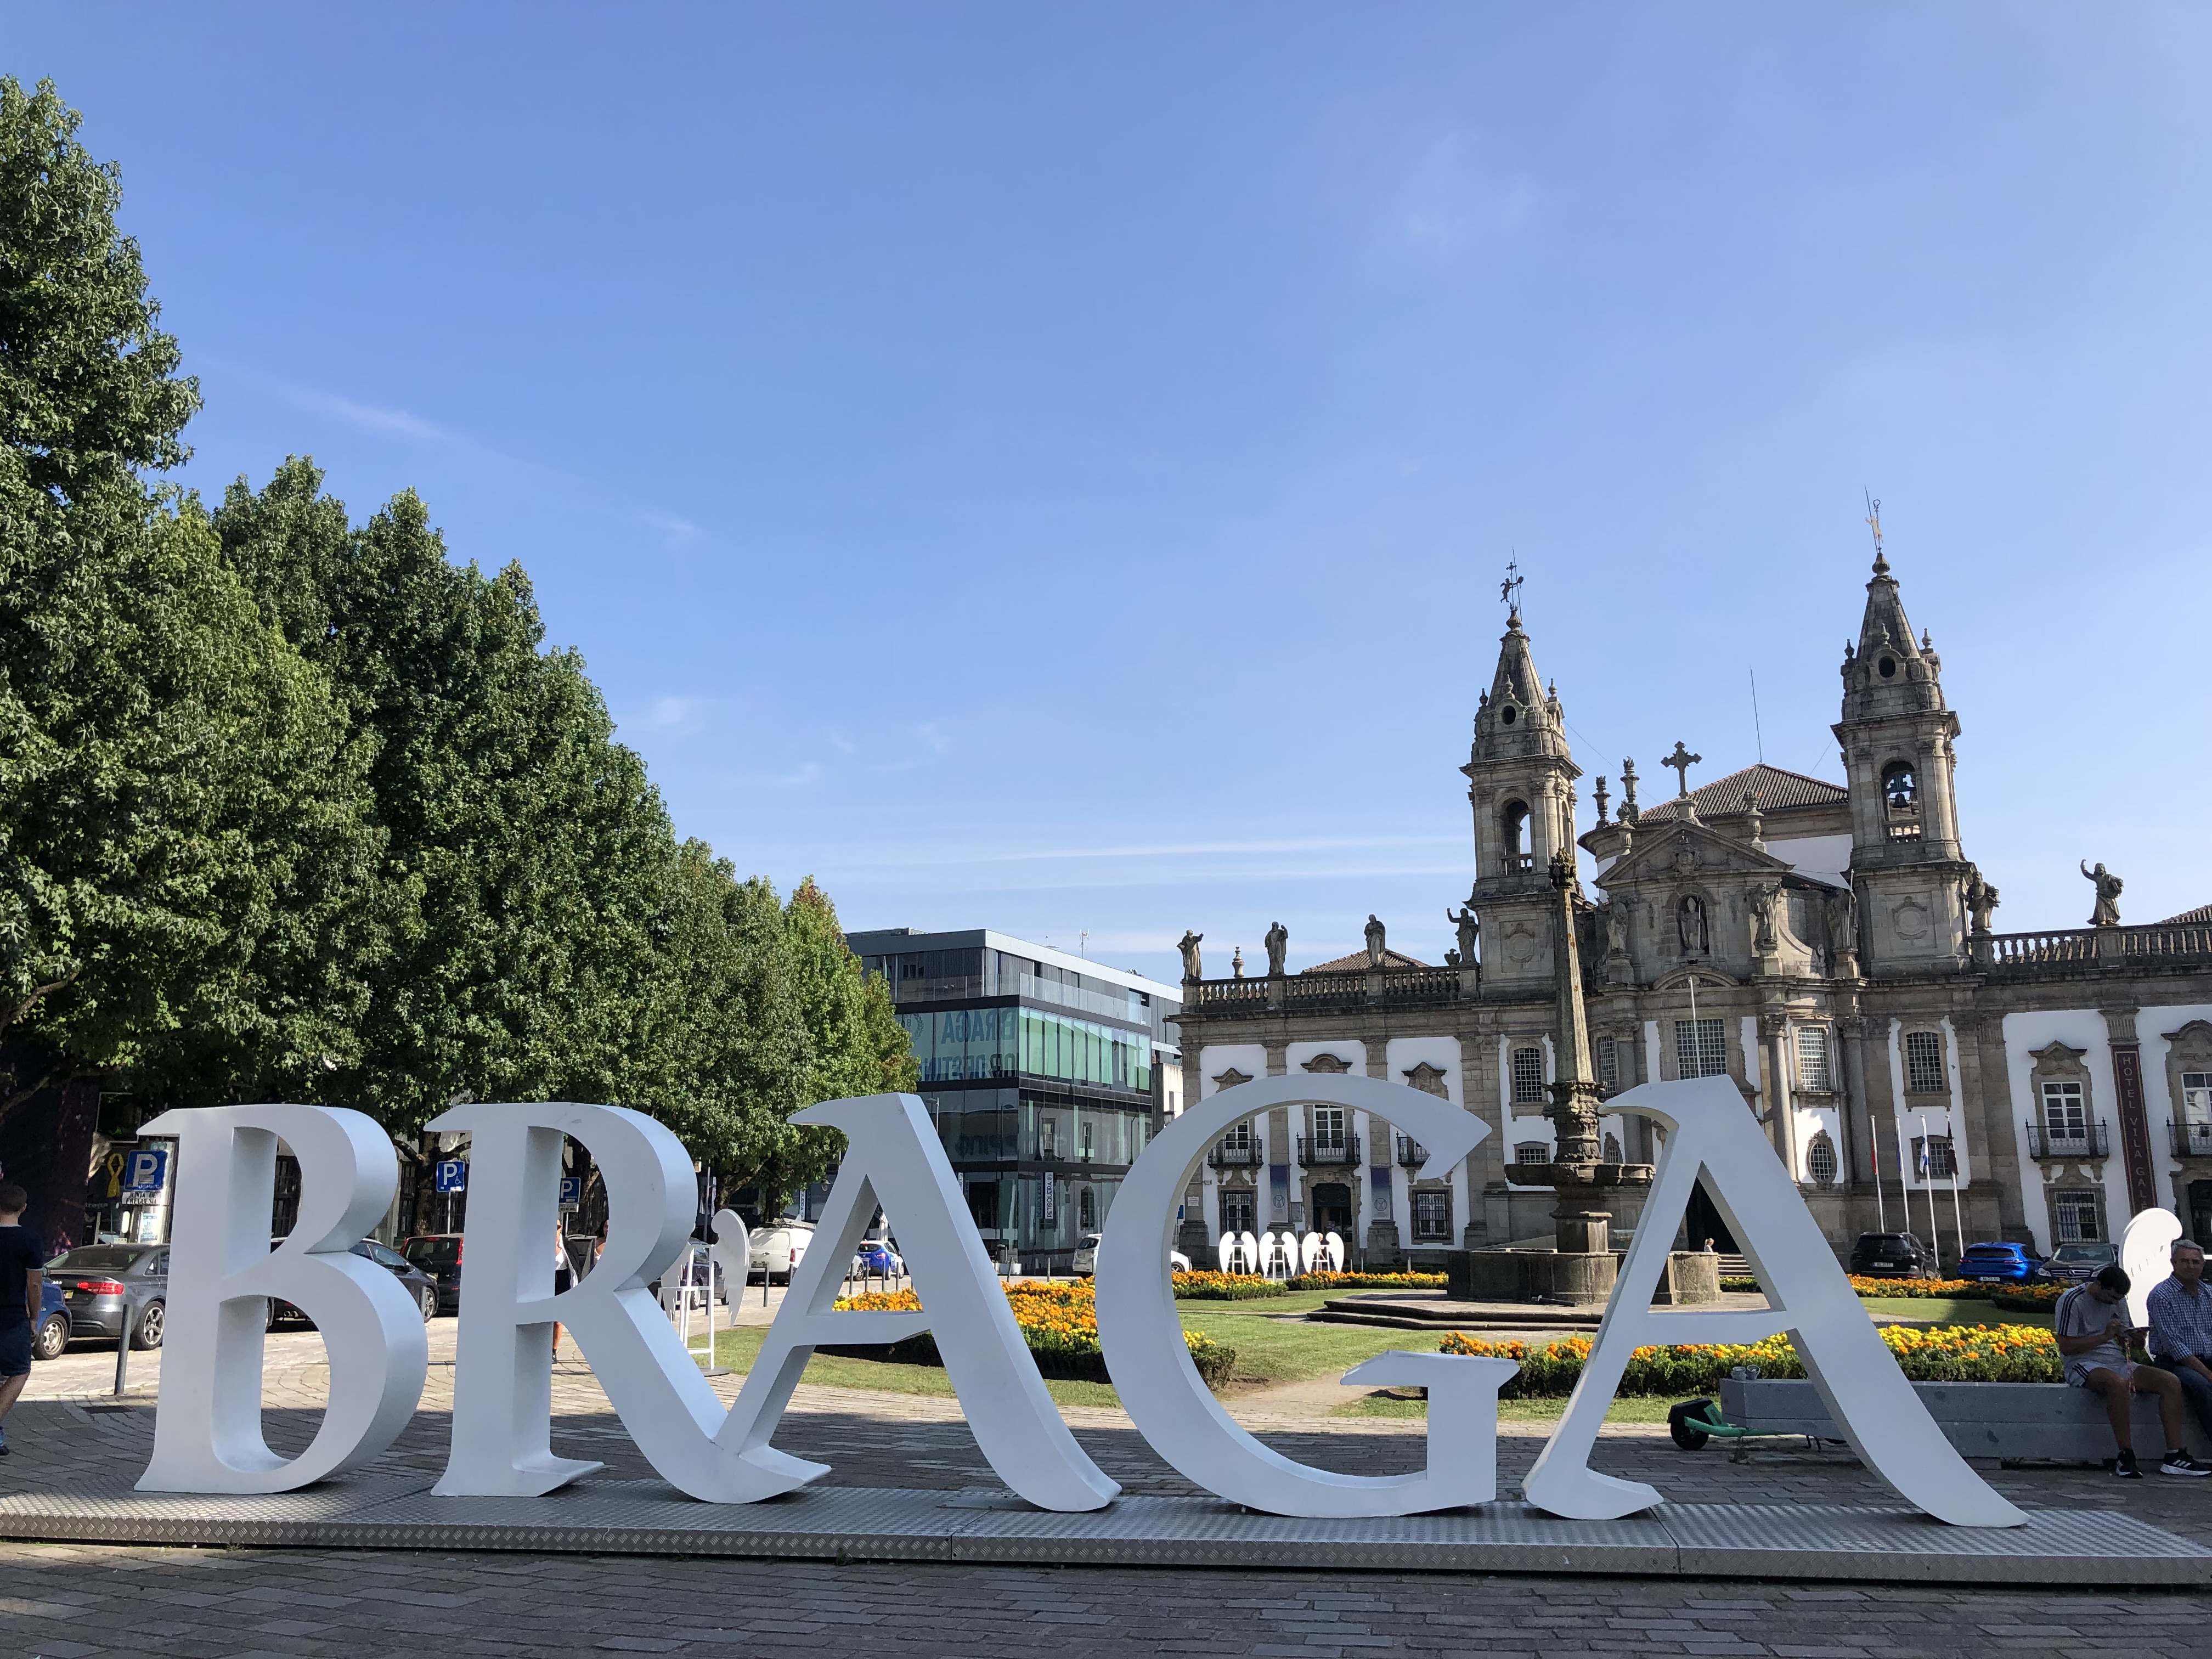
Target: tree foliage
x=186, y=892
x=296, y=807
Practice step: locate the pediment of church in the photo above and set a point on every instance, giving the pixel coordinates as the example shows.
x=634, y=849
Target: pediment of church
x=1675, y=851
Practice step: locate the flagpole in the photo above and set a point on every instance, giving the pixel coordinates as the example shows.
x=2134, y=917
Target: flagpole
x=1958, y=1220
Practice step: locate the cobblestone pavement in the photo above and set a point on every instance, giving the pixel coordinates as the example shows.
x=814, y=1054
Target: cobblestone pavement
x=75, y=1601
x=72, y=1601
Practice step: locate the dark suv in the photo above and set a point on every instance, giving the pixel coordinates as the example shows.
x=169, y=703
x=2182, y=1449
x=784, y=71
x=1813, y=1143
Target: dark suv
x=1892, y=1256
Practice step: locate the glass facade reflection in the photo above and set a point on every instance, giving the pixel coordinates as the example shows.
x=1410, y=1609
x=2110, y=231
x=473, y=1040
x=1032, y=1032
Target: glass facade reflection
x=1039, y=1072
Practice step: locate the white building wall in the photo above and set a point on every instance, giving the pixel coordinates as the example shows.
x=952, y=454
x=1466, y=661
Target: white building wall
x=2077, y=1028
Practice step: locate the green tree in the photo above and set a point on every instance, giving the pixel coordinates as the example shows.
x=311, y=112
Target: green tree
x=533, y=858
x=89, y=392
x=186, y=893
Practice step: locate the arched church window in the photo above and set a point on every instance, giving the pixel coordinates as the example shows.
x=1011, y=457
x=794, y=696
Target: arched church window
x=1508, y=715
x=1821, y=1160
x=1886, y=667
x=1898, y=786
x=1513, y=827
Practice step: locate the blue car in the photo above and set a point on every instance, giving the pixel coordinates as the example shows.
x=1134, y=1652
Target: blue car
x=1992, y=1263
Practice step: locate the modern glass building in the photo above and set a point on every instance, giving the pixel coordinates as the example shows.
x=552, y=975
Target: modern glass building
x=1046, y=1075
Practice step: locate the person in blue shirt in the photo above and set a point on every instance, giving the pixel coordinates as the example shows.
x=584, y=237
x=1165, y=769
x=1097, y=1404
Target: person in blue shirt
x=22, y=1286
x=2180, y=1309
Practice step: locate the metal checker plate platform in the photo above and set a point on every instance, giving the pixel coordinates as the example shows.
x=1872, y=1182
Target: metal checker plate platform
x=1733, y=1541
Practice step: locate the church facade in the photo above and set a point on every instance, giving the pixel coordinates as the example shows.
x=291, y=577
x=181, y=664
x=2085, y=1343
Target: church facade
x=1827, y=948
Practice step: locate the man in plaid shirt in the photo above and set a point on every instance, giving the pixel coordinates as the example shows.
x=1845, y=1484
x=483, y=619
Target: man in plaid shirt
x=2181, y=1330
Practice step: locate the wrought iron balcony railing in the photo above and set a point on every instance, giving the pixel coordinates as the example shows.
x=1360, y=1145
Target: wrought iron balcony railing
x=2046, y=1142
x=1327, y=1150
x=2191, y=1139
x=1411, y=1152
x=1235, y=1155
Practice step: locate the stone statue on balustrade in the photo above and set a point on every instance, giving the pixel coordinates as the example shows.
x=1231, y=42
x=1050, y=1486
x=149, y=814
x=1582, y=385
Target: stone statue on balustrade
x=2107, y=913
x=1469, y=929
x=1375, y=941
x=1192, y=967
x=1981, y=899
x=1279, y=944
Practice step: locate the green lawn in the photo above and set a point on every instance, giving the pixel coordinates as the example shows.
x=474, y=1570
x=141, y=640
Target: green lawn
x=1273, y=1350
x=1634, y=1409
x=1943, y=1310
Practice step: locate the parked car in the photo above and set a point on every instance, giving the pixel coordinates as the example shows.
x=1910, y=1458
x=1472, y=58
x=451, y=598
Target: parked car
x=1085, y=1262
x=1892, y=1256
x=438, y=1256
x=704, y=1269
x=111, y=1289
x=876, y=1259
x=778, y=1247
x=1994, y=1263
x=53, y=1334
x=2075, y=1262
x=420, y=1285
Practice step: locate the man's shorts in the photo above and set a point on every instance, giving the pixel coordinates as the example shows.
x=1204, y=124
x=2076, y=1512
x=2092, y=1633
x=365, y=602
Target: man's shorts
x=16, y=1349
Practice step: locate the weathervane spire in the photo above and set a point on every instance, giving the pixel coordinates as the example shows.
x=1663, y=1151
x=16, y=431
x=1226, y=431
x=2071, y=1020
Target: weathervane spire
x=1874, y=523
x=1508, y=592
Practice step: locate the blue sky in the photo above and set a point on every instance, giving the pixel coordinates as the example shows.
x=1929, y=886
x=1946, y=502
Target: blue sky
x=1050, y=468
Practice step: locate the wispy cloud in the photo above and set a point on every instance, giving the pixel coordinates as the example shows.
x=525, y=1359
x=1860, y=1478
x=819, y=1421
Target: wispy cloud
x=376, y=419
x=667, y=712
x=675, y=531
x=797, y=778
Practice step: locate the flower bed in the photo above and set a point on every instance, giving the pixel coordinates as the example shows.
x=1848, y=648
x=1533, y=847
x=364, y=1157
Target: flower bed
x=1059, y=1322
x=1208, y=1286
x=2026, y=1298
x=1332, y=1281
x=1952, y=1290
x=1950, y=1353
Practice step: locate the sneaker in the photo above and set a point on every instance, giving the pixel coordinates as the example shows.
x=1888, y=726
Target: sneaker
x=2124, y=1468
x=2181, y=1463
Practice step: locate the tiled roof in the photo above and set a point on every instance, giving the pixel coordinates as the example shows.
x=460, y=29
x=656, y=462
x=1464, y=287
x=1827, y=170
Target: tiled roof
x=2201, y=916
x=1778, y=791
x=1357, y=962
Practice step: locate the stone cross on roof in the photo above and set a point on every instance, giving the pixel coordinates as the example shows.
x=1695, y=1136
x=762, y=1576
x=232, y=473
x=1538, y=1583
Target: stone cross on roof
x=1682, y=760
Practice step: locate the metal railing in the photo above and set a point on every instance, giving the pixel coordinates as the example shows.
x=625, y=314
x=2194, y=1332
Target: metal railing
x=2045, y=1142
x=1235, y=1155
x=1327, y=1150
x=2191, y=1139
x=1411, y=1153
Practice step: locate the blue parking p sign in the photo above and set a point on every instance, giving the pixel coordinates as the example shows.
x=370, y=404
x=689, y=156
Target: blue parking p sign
x=452, y=1174
x=572, y=1192
x=146, y=1169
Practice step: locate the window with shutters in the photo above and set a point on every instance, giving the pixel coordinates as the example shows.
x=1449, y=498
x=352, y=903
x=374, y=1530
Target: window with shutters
x=1528, y=1076
x=1924, y=1064
x=1432, y=1218
x=2077, y=1214
x=1932, y=1158
x=1813, y=1059
x=1701, y=1048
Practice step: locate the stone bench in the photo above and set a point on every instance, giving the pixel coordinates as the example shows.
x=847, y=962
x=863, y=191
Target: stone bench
x=2011, y=1421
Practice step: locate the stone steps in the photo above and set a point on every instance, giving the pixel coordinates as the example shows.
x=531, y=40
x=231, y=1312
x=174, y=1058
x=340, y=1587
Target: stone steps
x=1438, y=1313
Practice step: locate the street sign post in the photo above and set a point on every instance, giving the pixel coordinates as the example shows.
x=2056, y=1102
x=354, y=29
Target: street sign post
x=572, y=1192
x=145, y=1173
x=450, y=1175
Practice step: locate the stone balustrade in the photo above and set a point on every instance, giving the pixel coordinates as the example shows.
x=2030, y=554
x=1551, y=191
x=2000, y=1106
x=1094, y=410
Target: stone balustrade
x=2063, y=948
x=1308, y=992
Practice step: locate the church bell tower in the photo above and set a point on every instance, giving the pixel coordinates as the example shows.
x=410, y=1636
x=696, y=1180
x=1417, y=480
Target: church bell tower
x=1907, y=871
x=1521, y=780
